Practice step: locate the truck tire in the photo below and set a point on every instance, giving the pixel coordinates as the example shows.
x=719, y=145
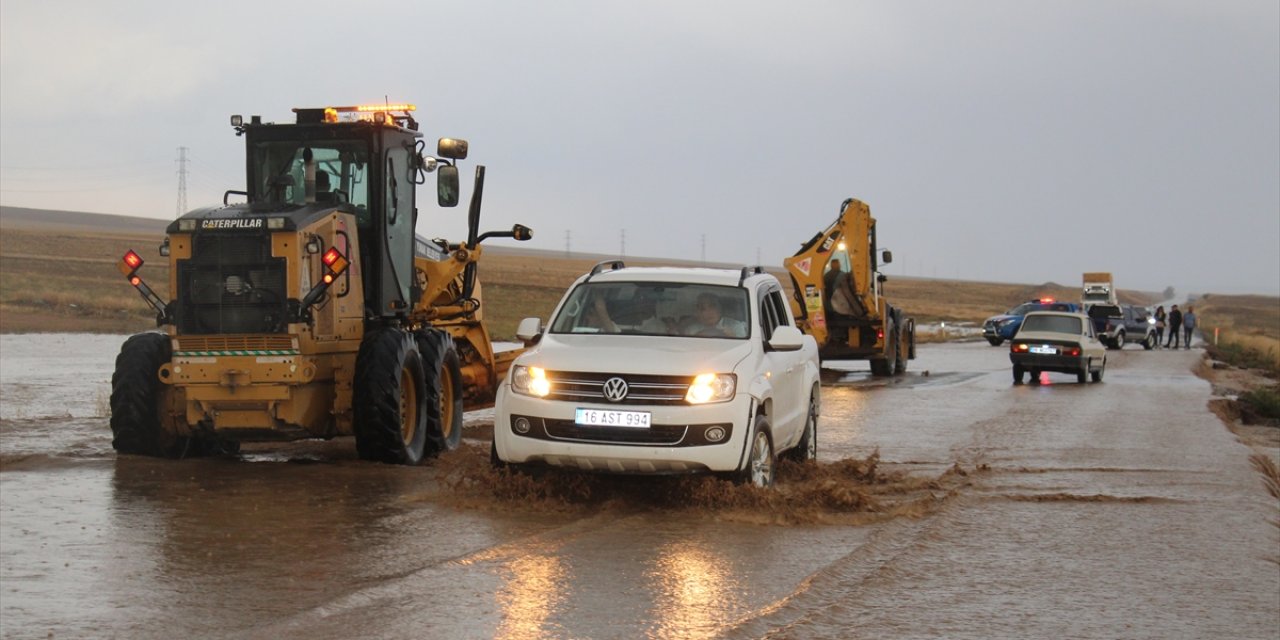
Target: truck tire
x=136, y=393
x=995, y=342
x=807, y=449
x=443, y=380
x=902, y=352
x=389, y=398
x=759, y=469
x=880, y=367
x=1117, y=342
x=1150, y=342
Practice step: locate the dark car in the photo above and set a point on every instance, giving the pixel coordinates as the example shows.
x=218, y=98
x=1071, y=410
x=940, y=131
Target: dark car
x=1138, y=325
x=1003, y=327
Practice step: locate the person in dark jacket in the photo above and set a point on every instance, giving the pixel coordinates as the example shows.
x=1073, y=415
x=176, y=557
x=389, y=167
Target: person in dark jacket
x=1175, y=326
x=1161, y=317
x=1188, y=326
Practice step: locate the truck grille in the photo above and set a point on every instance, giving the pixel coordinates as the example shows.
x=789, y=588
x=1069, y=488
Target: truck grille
x=231, y=284
x=573, y=386
x=236, y=345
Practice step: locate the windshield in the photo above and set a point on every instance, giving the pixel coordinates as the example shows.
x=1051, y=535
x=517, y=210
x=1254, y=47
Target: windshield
x=341, y=170
x=1055, y=324
x=655, y=309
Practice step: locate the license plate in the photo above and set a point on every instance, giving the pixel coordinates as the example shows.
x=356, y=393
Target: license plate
x=608, y=418
x=1048, y=350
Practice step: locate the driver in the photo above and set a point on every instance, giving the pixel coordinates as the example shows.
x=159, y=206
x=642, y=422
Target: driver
x=709, y=320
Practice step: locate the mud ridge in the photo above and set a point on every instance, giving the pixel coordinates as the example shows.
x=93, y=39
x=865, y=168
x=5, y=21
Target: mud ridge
x=849, y=491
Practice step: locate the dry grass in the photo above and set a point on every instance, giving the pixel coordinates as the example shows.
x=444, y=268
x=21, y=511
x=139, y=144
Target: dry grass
x=67, y=281
x=1247, y=327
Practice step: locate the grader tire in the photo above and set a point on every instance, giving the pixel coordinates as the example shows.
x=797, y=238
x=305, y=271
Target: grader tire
x=443, y=378
x=390, y=399
x=135, y=399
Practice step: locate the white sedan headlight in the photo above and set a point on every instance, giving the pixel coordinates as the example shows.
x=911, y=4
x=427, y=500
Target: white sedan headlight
x=711, y=387
x=530, y=381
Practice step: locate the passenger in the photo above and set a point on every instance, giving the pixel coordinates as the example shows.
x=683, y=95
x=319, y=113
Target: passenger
x=597, y=317
x=1175, y=325
x=1160, y=322
x=709, y=320
x=647, y=307
x=1188, y=326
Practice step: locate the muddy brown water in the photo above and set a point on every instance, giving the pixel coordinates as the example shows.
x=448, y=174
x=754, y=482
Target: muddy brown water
x=950, y=504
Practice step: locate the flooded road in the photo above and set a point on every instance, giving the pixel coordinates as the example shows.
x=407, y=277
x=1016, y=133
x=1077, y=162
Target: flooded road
x=947, y=504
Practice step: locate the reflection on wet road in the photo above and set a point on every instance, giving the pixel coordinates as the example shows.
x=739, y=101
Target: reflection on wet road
x=948, y=503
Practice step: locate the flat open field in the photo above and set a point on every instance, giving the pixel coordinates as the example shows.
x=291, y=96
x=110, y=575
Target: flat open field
x=58, y=273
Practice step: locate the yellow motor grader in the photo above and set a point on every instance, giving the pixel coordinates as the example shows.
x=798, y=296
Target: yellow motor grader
x=839, y=295
x=313, y=309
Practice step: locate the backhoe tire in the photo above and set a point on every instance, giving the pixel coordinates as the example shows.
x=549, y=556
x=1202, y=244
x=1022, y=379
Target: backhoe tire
x=880, y=367
x=390, y=398
x=443, y=379
x=136, y=395
x=902, y=352
x=995, y=342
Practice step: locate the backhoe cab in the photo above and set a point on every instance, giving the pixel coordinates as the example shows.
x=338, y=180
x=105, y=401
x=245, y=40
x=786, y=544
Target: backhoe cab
x=312, y=309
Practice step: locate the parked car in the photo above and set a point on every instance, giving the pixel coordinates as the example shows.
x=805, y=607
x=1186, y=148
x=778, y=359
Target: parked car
x=663, y=370
x=1002, y=327
x=1134, y=324
x=1057, y=341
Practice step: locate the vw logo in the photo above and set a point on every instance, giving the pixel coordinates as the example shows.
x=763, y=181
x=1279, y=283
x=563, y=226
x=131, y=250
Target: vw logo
x=615, y=389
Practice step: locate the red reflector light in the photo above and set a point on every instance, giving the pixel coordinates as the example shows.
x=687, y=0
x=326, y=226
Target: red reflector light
x=331, y=256
x=1074, y=352
x=132, y=259
x=135, y=281
x=880, y=334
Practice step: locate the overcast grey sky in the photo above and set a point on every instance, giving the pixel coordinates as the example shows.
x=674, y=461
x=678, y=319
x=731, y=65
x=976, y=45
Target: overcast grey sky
x=1008, y=141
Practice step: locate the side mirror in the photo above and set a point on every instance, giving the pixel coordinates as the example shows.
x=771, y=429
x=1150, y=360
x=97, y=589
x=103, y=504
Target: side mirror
x=881, y=278
x=452, y=148
x=786, y=338
x=447, y=185
x=521, y=232
x=886, y=256
x=528, y=329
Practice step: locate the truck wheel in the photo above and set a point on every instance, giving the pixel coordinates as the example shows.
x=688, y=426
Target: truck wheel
x=807, y=449
x=1118, y=342
x=1150, y=342
x=1018, y=371
x=995, y=342
x=759, y=469
x=444, y=390
x=900, y=354
x=389, y=398
x=136, y=394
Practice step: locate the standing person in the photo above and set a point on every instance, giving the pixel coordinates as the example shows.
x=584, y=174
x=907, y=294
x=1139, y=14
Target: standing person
x=1160, y=318
x=1188, y=326
x=1175, y=325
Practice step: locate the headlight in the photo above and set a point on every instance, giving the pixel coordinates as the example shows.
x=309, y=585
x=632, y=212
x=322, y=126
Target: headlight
x=711, y=387
x=530, y=381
